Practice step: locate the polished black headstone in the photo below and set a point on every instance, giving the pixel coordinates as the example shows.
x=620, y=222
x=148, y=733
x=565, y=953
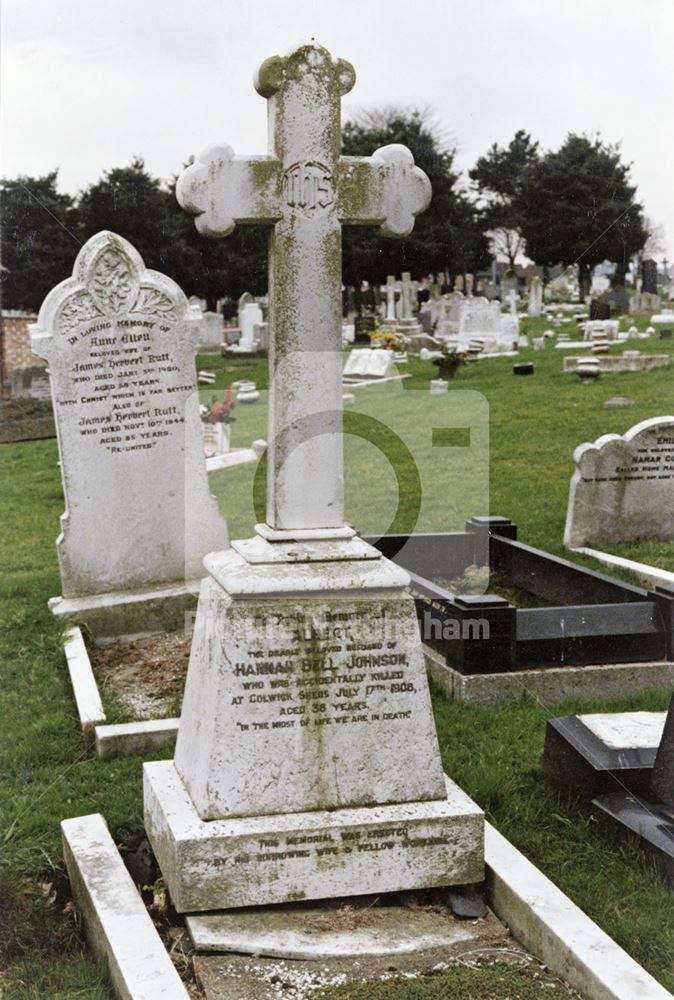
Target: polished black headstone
x=653, y=824
x=364, y=327
x=649, y=277
x=577, y=760
x=599, y=310
x=524, y=368
x=662, y=779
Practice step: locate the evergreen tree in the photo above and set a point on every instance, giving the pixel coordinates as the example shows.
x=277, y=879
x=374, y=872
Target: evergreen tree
x=578, y=206
x=498, y=178
x=447, y=236
x=39, y=239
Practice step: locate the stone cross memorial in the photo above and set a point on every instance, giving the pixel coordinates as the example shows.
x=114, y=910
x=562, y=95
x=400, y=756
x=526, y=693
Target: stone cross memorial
x=120, y=342
x=307, y=764
x=623, y=487
x=535, y=304
x=390, y=299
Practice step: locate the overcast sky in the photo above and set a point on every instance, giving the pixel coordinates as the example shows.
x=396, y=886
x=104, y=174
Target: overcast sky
x=88, y=84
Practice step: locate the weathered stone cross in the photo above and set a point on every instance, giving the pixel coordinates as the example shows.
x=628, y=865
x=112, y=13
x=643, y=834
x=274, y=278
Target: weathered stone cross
x=306, y=192
x=390, y=299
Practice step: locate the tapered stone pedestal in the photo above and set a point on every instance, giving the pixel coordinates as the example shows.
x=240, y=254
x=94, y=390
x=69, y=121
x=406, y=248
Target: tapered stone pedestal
x=307, y=763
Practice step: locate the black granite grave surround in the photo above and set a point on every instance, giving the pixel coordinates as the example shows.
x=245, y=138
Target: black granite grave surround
x=555, y=579
x=474, y=632
x=664, y=599
x=576, y=760
x=631, y=789
x=653, y=824
x=662, y=779
x=429, y=555
x=598, y=619
x=595, y=633
x=482, y=529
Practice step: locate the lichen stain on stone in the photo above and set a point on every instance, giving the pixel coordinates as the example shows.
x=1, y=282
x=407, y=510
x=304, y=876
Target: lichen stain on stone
x=313, y=732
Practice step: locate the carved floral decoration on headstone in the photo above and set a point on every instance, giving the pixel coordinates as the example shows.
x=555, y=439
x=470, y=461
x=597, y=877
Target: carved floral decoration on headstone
x=114, y=281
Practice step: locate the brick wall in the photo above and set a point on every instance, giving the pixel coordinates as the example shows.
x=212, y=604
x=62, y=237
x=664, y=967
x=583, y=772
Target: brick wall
x=15, y=349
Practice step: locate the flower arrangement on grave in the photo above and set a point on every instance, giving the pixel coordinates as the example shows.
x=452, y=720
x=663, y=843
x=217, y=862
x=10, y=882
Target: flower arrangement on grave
x=219, y=413
x=386, y=339
x=450, y=362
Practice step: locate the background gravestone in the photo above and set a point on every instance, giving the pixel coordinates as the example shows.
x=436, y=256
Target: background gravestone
x=508, y=285
x=120, y=347
x=599, y=310
x=365, y=327
x=623, y=487
x=31, y=383
x=535, y=304
x=649, y=277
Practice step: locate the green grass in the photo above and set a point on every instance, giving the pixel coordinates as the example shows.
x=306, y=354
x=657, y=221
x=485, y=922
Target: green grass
x=48, y=773
x=486, y=982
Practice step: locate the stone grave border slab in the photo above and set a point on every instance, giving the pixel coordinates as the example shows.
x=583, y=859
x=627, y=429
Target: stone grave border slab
x=118, y=928
x=126, y=613
x=650, y=575
x=486, y=355
x=548, y=685
x=617, y=364
x=538, y=914
x=27, y=429
x=238, y=456
x=351, y=383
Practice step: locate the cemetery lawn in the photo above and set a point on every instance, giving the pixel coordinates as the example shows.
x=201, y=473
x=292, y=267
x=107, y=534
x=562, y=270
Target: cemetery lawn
x=47, y=773
x=533, y=425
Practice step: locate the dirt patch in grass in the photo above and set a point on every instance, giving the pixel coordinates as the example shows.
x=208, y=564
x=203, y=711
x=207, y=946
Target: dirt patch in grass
x=146, y=676
x=480, y=969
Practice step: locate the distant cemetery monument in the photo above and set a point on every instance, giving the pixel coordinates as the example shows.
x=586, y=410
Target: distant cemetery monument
x=623, y=487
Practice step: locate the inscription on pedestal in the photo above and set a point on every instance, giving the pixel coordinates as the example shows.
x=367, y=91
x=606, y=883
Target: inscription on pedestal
x=333, y=844
x=324, y=704
x=327, y=673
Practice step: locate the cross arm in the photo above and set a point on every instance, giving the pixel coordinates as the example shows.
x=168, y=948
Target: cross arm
x=221, y=189
x=385, y=189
